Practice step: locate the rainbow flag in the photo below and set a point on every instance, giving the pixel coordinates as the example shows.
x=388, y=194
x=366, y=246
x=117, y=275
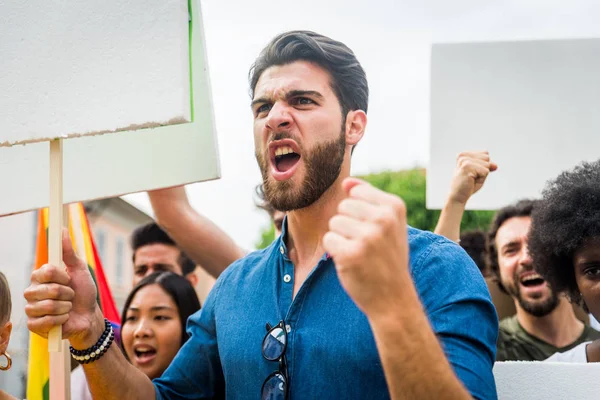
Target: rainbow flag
x=83, y=242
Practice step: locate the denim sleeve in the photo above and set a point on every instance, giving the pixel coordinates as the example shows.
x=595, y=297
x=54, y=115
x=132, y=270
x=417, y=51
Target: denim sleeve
x=195, y=372
x=461, y=313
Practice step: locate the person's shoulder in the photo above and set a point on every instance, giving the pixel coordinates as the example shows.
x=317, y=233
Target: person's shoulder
x=429, y=252
x=509, y=325
x=424, y=242
x=577, y=354
x=251, y=263
x=591, y=333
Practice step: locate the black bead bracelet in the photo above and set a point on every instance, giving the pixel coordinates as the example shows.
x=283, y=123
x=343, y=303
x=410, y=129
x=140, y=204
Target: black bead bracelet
x=96, y=351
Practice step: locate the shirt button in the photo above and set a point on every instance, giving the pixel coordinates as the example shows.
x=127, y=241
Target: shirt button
x=281, y=249
x=288, y=328
x=287, y=278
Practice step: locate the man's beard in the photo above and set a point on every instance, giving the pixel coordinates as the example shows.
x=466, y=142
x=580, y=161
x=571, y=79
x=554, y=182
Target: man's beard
x=323, y=166
x=535, y=308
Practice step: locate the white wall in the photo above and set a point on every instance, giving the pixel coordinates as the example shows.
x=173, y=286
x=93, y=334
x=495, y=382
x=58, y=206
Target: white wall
x=533, y=104
x=17, y=255
x=519, y=380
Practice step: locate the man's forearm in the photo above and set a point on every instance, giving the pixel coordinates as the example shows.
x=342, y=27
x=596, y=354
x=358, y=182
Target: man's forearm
x=112, y=376
x=450, y=218
x=203, y=241
x=414, y=363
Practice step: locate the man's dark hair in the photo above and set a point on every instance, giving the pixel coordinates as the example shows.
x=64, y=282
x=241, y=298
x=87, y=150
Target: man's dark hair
x=567, y=215
x=473, y=242
x=262, y=202
x=151, y=233
x=348, y=79
x=522, y=208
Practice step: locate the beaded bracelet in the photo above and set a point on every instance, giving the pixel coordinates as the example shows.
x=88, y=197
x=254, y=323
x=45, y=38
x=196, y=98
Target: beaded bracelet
x=96, y=351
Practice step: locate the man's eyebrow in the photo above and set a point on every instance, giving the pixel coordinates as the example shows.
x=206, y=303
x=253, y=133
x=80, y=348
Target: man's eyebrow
x=259, y=100
x=512, y=243
x=297, y=93
x=289, y=95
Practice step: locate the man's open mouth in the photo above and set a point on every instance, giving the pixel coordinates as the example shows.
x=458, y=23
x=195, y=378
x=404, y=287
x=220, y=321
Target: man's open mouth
x=285, y=158
x=531, y=279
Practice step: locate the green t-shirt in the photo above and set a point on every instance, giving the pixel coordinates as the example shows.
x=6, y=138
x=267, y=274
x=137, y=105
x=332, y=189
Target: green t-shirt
x=515, y=344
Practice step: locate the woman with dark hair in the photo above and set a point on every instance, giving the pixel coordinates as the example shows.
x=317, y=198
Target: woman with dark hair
x=154, y=316
x=565, y=245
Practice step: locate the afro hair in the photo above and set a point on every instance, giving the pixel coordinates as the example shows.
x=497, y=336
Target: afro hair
x=567, y=215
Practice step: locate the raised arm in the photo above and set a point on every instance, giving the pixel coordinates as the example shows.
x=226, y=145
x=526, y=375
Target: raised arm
x=67, y=297
x=368, y=242
x=198, y=236
x=472, y=169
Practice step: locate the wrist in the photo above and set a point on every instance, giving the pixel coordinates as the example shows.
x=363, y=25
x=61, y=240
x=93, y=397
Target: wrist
x=456, y=201
x=89, y=337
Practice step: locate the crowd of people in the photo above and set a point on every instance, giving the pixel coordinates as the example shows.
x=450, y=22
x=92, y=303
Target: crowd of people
x=348, y=301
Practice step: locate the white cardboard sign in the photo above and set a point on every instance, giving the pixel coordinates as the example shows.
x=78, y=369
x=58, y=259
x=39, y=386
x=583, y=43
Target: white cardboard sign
x=110, y=165
x=522, y=380
x=533, y=104
x=73, y=68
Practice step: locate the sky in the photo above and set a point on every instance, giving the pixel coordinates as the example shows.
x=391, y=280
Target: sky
x=391, y=38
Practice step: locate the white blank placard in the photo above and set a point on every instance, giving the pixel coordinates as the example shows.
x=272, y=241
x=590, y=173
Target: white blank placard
x=522, y=380
x=533, y=104
x=71, y=68
x=125, y=162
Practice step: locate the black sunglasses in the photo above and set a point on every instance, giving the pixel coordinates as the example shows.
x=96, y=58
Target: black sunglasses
x=273, y=349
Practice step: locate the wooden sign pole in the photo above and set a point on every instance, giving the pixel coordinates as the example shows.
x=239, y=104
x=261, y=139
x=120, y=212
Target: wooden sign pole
x=58, y=348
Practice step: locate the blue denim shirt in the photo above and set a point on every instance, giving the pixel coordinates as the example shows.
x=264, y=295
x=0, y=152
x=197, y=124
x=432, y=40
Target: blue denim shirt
x=331, y=351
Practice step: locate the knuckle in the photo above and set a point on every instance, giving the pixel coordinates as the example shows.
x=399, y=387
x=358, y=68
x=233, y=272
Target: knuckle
x=29, y=310
x=28, y=294
x=399, y=206
x=53, y=291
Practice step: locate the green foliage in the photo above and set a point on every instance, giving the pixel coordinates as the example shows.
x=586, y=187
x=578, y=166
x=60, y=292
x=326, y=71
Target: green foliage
x=266, y=237
x=410, y=186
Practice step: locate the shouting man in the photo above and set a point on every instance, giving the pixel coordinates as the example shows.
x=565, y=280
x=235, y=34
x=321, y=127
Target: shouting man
x=333, y=308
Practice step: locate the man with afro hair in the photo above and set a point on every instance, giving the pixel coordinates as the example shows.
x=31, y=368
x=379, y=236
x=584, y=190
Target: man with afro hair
x=565, y=245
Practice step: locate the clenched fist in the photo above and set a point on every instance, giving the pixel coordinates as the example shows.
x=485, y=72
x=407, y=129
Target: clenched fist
x=367, y=239
x=67, y=297
x=472, y=168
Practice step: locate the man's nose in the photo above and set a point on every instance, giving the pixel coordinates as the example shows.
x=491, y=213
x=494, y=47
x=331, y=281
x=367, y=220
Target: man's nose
x=279, y=117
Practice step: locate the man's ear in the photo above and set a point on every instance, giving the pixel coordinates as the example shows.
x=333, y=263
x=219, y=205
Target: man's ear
x=193, y=278
x=356, y=122
x=5, y=336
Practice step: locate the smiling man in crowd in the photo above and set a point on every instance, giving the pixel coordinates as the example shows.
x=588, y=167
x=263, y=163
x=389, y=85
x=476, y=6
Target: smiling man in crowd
x=545, y=322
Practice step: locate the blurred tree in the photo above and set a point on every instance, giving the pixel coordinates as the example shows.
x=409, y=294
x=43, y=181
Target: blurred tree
x=266, y=237
x=410, y=186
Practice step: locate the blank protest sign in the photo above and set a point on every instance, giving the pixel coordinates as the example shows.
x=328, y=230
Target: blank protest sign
x=109, y=165
x=71, y=68
x=533, y=104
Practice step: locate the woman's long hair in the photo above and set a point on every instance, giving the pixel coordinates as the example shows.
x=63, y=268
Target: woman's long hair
x=178, y=288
